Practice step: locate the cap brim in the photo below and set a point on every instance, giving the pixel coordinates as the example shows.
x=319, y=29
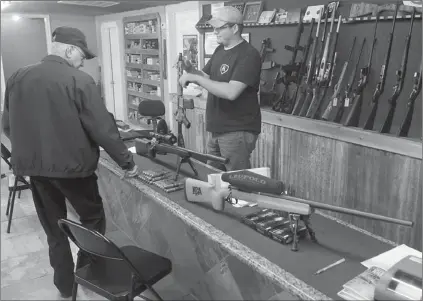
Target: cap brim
x=216, y=23
x=88, y=53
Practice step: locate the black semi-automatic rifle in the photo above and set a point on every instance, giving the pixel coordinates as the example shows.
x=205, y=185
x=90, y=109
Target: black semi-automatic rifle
x=353, y=117
x=417, y=87
x=148, y=148
x=386, y=128
x=313, y=67
x=309, y=75
x=380, y=87
x=345, y=100
x=337, y=89
x=326, y=80
x=290, y=70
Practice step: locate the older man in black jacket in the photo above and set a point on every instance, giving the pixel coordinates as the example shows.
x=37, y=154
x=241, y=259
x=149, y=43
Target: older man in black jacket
x=56, y=121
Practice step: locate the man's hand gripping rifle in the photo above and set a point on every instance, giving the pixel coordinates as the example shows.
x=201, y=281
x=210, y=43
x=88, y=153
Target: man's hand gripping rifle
x=268, y=193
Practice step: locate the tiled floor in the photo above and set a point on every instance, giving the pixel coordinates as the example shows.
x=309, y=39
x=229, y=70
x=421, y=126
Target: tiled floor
x=25, y=269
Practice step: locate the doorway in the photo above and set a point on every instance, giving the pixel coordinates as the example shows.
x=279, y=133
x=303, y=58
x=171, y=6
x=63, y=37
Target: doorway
x=112, y=70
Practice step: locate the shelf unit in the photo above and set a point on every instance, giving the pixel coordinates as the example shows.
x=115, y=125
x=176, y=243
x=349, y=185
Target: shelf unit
x=144, y=63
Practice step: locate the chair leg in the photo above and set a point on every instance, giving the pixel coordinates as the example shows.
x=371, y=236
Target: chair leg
x=74, y=290
x=12, y=205
x=19, y=195
x=8, y=202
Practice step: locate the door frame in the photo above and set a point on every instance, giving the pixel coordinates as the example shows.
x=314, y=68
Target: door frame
x=171, y=37
x=106, y=61
x=47, y=29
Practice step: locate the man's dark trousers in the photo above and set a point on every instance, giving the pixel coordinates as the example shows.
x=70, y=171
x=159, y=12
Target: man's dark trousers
x=49, y=196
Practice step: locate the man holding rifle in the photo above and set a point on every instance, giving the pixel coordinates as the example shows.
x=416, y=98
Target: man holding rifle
x=232, y=78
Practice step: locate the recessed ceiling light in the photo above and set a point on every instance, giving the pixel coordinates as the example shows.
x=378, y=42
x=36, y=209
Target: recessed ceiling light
x=16, y=18
x=5, y=4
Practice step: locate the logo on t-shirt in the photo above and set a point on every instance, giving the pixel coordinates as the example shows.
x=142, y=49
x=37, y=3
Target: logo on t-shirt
x=224, y=68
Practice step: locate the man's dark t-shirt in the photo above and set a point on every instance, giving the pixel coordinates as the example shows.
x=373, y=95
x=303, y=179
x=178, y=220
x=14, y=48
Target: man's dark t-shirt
x=241, y=63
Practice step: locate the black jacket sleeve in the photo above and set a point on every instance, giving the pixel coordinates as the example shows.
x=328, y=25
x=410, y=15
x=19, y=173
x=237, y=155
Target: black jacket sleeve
x=100, y=126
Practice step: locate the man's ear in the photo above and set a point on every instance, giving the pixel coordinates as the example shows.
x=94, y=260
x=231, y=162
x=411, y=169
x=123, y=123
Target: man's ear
x=68, y=52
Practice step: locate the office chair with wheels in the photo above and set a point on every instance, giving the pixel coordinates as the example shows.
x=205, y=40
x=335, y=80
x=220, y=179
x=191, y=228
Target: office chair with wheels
x=112, y=272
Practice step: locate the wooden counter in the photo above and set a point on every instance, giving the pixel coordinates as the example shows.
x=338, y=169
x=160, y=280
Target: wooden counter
x=329, y=163
x=215, y=256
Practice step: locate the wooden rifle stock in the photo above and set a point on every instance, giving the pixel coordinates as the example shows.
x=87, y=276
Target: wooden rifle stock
x=380, y=86
x=417, y=87
x=386, y=128
x=337, y=90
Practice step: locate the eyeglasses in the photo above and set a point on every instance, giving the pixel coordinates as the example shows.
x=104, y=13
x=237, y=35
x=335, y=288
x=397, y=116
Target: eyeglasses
x=218, y=29
x=82, y=54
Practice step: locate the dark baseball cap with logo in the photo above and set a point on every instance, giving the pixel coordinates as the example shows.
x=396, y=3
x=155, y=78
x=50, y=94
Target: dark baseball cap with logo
x=73, y=36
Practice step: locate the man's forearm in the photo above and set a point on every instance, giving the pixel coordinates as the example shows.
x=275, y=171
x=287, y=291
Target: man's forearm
x=219, y=89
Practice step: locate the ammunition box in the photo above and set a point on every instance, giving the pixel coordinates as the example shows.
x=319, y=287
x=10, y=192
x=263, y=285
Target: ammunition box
x=278, y=222
x=252, y=220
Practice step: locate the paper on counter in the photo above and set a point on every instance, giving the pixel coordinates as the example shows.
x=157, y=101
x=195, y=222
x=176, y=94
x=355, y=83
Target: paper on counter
x=390, y=258
x=132, y=150
x=242, y=203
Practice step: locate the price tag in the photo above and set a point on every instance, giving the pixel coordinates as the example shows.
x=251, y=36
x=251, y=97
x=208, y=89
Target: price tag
x=335, y=102
x=347, y=101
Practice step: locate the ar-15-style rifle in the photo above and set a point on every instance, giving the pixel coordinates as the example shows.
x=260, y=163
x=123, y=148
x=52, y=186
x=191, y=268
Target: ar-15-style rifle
x=386, y=128
x=353, y=117
x=290, y=70
x=148, y=148
x=380, y=86
x=268, y=193
x=337, y=90
x=417, y=87
x=309, y=73
x=345, y=99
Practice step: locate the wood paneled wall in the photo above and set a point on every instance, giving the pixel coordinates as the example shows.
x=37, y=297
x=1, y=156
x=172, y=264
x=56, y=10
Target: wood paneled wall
x=339, y=173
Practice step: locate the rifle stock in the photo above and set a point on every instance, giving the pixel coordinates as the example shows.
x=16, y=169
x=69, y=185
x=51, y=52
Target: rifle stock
x=380, y=86
x=406, y=123
x=386, y=128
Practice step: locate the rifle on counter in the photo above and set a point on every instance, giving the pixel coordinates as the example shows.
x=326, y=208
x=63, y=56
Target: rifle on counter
x=417, y=87
x=290, y=70
x=345, y=100
x=353, y=117
x=327, y=76
x=380, y=87
x=313, y=66
x=149, y=148
x=310, y=69
x=337, y=90
x=386, y=128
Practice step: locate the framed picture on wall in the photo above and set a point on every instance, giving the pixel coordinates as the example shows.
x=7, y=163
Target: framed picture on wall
x=252, y=11
x=238, y=5
x=190, y=49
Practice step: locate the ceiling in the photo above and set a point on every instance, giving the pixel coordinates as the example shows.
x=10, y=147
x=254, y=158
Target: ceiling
x=53, y=7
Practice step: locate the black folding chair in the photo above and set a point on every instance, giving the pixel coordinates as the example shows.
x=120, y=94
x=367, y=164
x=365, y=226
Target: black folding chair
x=112, y=272
x=19, y=184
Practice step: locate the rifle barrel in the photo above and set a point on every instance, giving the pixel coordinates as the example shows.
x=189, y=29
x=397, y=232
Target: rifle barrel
x=344, y=210
x=194, y=154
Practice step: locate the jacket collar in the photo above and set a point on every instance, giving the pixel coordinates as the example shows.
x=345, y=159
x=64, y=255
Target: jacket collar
x=56, y=58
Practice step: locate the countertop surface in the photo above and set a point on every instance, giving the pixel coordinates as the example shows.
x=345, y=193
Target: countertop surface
x=293, y=270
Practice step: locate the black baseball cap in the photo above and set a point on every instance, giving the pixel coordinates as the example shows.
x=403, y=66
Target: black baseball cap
x=73, y=36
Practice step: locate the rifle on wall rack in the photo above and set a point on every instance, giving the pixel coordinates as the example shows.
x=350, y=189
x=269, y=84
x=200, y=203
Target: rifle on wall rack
x=353, y=117
x=326, y=78
x=313, y=65
x=290, y=70
x=386, y=128
x=310, y=69
x=337, y=89
x=380, y=86
x=417, y=87
x=345, y=100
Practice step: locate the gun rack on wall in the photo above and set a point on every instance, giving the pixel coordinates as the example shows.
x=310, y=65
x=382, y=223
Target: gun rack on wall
x=343, y=20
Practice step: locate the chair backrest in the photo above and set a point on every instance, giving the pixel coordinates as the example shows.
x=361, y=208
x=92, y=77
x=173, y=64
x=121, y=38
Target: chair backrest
x=6, y=154
x=90, y=241
x=151, y=108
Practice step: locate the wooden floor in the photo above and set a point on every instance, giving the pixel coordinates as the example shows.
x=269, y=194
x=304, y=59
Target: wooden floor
x=25, y=269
